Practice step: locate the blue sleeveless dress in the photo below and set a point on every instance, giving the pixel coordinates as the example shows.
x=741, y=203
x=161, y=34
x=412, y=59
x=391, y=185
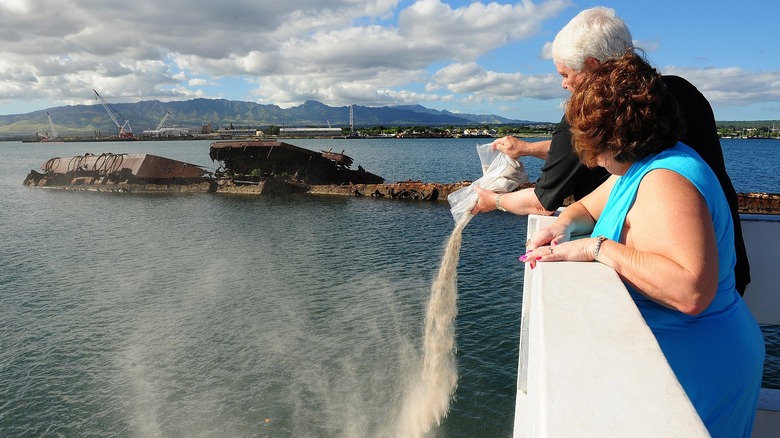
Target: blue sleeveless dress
x=718, y=355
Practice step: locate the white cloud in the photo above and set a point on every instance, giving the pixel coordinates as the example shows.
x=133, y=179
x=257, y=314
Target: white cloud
x=732, y=85
x=293, y=50
x=373, y=52
x=474, y=80
x=197, y=82
x=468, y=32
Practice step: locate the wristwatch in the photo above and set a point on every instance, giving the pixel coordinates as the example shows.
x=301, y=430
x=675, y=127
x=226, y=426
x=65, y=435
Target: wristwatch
x=498, y=202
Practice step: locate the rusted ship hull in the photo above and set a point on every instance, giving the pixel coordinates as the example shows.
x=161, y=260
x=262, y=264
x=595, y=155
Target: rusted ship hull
x=138, y=173
x=268, y=186
x=262, y=159
x=263, y=168
x=749, y=203
x=411, y=190
x=759, y=203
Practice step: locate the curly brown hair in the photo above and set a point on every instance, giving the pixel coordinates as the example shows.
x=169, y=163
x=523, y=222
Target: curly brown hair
x=622, y=107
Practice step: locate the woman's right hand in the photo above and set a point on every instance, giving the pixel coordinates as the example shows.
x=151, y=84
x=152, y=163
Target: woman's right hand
x=516, y=148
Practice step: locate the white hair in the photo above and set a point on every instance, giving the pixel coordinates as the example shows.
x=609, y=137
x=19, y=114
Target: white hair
x=594, y=33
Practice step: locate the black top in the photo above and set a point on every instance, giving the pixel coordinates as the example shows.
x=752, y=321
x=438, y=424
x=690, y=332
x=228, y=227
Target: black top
x=563, y=174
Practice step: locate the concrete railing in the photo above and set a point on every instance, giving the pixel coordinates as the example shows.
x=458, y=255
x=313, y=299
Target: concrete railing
x=762, y=239
x=590, y=366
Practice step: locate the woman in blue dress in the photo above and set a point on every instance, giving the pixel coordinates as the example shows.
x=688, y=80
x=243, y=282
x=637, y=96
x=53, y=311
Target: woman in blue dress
x=662, y=222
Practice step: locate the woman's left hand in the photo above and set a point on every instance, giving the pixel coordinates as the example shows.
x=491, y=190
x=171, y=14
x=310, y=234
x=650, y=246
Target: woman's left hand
x=486, y=200
x=580, y=250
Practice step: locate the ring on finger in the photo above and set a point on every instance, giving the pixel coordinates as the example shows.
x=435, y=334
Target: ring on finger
x=551, y=250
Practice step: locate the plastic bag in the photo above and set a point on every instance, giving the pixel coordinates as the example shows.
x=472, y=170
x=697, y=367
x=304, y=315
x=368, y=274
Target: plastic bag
x=500, y=173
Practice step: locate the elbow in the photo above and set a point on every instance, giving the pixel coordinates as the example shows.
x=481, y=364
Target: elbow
x=692, y=309
x=699, y=300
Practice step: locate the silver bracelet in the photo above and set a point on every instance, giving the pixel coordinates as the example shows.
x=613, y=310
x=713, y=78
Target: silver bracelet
x=498, y=202
x=597, y=247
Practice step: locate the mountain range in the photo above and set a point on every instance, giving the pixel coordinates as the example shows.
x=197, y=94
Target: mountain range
x=90, y=119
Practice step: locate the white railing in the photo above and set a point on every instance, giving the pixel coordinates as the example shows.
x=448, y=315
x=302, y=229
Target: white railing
x=762, y=239
x=590, y=366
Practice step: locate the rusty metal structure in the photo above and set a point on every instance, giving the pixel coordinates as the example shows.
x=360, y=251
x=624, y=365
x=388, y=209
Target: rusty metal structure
x=404, y=190
x=264, y=167
x=261, y=160
x=747, y=203
x=122, y=172
x=759, y=203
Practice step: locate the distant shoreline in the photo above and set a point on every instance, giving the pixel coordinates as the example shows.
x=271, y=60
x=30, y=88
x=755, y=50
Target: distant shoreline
x=546, y=135
x=223, y=138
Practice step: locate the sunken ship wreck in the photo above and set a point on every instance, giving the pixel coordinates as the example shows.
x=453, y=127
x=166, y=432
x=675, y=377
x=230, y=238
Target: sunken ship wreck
x=110, y=172
x=262, y=167
x=245, y=167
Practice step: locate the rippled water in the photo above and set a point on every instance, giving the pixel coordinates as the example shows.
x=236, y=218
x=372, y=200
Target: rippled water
x=209, y=315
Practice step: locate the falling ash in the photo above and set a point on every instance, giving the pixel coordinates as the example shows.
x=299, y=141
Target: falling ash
x=427, y=399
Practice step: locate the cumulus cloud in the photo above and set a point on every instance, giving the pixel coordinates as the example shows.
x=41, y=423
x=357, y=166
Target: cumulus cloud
x=334, y=50
x=370, y=52
x=732, y=85
x=473, y=79
x=469, y=32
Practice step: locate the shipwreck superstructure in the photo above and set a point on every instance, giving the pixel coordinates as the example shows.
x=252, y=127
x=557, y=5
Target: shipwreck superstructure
x=279, y=167
x=253, y=162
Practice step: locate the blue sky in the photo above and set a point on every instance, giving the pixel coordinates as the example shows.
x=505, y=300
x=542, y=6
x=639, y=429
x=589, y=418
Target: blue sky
x=472, y=57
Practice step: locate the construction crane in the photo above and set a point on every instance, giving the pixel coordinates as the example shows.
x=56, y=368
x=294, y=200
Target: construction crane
x=53, y=135
x=162, y=122
x=124, y=131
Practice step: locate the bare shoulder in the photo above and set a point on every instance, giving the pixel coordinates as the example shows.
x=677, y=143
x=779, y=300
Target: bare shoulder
x=668, y=207
x=668, y=190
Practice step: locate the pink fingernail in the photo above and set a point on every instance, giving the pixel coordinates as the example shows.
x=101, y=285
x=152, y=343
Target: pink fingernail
x=522, y=258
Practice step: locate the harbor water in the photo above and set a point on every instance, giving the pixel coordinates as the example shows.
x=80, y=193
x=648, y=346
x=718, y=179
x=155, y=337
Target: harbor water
x=203, y=315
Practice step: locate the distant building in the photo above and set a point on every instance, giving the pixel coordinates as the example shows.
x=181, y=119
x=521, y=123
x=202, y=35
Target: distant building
x=310, y=132
x=167, y=132
x=484, y=133
x=239, y=132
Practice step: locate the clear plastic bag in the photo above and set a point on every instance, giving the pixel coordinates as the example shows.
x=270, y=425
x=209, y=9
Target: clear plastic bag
x=500, y=173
